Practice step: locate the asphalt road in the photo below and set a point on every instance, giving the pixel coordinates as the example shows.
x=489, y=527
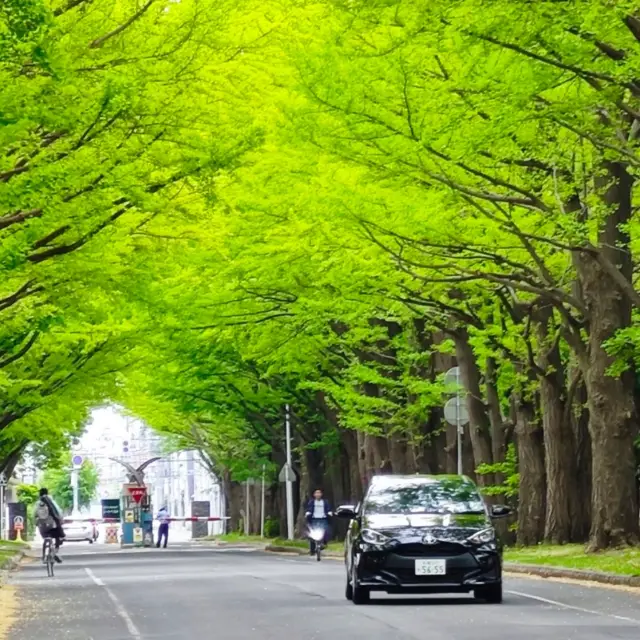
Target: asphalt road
x=194, y=592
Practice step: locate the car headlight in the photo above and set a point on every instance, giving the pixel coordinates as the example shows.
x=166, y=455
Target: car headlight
x=483, y=537
x=374, y=537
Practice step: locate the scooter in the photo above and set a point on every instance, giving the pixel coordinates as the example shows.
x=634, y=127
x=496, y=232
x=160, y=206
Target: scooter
x=317, y=535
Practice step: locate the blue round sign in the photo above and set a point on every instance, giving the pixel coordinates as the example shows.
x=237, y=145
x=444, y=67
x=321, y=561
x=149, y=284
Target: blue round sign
x=77, y=460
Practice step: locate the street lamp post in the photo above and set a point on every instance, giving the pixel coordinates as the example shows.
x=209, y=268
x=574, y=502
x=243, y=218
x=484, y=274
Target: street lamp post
x=3, y=484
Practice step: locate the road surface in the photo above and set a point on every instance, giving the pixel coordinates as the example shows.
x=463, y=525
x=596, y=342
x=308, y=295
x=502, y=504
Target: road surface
x=232, y=594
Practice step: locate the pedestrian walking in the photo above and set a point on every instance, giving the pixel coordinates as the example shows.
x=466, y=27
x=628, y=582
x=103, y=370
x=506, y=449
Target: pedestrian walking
x=163, y=530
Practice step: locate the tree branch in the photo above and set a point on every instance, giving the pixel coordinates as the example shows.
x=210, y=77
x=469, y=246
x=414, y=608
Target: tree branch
x=19, y=216
x=98, y=42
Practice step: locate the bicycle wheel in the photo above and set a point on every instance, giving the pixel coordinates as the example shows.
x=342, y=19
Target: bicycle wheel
x=49, y=559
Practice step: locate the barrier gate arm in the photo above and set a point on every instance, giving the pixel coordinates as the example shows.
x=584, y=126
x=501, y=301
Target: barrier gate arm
x=114, y=520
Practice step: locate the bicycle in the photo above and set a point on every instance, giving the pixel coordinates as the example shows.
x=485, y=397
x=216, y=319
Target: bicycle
x=48, y=553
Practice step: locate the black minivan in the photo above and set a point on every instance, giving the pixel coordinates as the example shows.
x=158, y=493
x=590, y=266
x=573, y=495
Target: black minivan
x=422, y=534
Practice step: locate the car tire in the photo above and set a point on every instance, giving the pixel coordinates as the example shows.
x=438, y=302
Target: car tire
x=490, y=593
x=348, y=590
x=360, y=595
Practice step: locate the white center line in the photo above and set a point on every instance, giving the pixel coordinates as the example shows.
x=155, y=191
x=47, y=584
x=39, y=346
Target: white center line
x=122, y=612
x=555, y=603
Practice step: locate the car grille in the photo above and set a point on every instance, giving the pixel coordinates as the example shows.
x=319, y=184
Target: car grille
x=408, y=576
x=438, y=550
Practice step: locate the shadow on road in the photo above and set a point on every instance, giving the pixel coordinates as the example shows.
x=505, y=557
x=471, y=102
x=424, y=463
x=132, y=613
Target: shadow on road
x=425, y=601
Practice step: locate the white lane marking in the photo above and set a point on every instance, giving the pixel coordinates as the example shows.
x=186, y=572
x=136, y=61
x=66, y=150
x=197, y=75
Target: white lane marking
x=122, y=612
x=563, y=605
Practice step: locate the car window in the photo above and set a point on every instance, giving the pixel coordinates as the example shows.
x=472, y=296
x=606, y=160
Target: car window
x=451, y=495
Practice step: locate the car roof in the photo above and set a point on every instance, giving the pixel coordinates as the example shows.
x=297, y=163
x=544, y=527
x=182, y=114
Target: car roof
x=383, y=482
x=394, y=479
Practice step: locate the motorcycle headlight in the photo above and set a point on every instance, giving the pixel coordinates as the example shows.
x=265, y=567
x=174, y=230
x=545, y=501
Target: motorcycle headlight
x=316, y=534
x=483, y=537
x=374, y=537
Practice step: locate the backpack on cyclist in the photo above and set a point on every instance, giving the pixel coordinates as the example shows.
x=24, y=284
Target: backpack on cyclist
x=44, y=518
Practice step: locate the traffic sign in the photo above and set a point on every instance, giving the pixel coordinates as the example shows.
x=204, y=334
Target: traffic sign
x=137, y=493
x=455, y=411
x=18, y=523
x=287, y=474
x=77, y=460
x=452, y=379
x=111, y=508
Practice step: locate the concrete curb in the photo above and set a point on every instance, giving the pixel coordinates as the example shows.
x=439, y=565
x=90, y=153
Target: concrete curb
x=298, y=551
x=540, y=571
x=230, y=545
x=546, y=571
x=597, y=577
x=10, y=565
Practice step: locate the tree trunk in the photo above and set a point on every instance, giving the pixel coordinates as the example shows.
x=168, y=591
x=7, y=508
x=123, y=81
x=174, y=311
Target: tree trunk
x=362, y=459
x=612, y=416
x=233, y=502
x=356, y=488
x=398, y=454
x=498, y=435
x=479, y=424
x=580, y=424
x=563, y=484
x=532, y=490
x=8, y=465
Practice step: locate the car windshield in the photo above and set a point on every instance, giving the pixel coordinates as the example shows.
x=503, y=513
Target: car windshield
x=425, y=496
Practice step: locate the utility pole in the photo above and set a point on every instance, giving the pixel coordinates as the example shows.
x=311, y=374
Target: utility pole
x=289, y=478
x=262, y=505
x=246, y=509
x=458, y=423
x=76, y=461
x=455, y=412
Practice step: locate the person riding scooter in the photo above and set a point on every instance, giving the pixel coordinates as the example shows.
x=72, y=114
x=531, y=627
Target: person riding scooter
x=317, y=515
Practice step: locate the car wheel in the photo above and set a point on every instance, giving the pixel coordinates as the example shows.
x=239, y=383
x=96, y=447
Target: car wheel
x=348, y=590
x=491, y=593
x=359, y=595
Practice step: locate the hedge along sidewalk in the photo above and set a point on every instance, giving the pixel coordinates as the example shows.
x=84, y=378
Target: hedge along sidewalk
x=617, y=566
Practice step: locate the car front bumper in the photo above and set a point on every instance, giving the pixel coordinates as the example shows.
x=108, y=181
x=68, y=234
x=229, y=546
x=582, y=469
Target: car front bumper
x=394, y=571
x=78, y=537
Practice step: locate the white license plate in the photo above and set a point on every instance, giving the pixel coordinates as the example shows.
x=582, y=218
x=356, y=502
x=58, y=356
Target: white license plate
x=431, y=567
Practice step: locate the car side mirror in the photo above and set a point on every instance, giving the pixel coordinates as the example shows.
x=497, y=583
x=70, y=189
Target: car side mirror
x=500, y=511
x=347, y=511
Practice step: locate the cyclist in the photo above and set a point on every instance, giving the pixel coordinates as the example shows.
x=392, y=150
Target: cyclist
x=48, y=517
